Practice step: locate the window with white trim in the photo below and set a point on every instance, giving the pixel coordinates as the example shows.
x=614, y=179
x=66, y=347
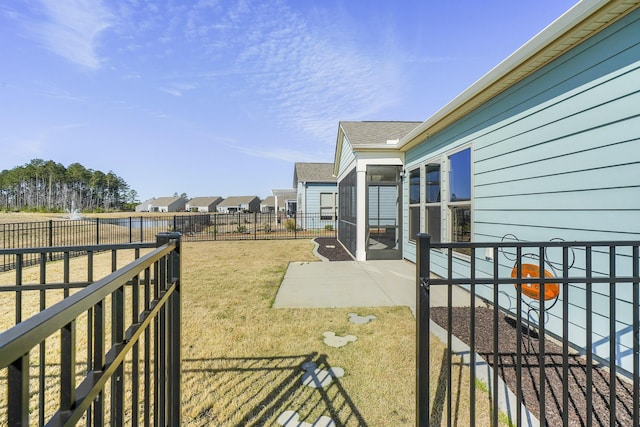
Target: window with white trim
x=460, y=197
x=328, y=211
x=444, y=199
x=414, y=203
x=433, y=223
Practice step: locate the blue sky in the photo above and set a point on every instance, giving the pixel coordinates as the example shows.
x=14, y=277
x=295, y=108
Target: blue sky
x=221, y=97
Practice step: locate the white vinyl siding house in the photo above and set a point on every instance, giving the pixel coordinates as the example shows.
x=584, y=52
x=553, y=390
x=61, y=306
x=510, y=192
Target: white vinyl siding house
x=167, y=204
x=553, y=140
x=235, y=204
x=145, y=206
x=203, y=204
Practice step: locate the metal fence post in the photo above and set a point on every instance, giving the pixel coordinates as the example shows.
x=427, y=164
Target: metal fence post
x=173, y=336
x=50, y=238
x=164, y=238
x=423, y=249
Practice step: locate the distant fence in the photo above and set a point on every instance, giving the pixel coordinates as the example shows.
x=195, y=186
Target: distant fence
x=140, y=229
x=104, y=352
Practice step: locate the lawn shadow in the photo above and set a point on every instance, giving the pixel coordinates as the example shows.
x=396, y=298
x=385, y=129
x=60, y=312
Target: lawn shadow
x=254, y=391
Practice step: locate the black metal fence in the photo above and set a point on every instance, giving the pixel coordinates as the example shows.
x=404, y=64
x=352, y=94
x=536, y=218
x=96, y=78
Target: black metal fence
x=194, y=227
x=95, y=352
x=563, y=345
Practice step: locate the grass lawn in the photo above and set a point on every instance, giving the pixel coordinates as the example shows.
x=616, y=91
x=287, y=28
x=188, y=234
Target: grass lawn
x=242, y=359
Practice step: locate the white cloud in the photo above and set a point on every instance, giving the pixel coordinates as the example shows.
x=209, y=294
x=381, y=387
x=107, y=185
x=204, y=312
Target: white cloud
x=72, y=29
x=171, y=91
x=178, y=89
x=310, y=80
x=283, y=154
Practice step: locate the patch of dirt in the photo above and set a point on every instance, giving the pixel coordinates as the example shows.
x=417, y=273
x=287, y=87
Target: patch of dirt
x=331, y=249
x=576, y=383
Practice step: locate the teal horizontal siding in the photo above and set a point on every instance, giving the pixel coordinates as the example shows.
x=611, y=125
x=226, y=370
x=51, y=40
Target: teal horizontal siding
x=558, y=156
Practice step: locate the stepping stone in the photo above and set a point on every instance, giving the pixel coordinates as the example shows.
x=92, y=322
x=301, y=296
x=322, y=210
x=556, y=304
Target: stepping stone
x=355, y=318
x=333, y=340
x=292, y=419
x=318, y=378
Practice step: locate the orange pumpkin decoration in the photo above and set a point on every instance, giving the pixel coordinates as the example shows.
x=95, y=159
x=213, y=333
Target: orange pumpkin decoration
x=532, y=290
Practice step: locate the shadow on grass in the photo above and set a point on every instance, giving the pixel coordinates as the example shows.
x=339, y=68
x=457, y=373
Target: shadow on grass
x=254, y=391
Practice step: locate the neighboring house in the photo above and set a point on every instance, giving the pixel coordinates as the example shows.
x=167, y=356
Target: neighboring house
x=145, y=206
x=268, y=205
x=286, y=199
x=239, y=204
x=317, y=190
x=368, y=165
x=168, y=204
x=544, y=146
x=285, y=206
x=203, y=204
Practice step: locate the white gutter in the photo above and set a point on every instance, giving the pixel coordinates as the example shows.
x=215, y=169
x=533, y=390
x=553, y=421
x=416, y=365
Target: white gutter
x=552, y=32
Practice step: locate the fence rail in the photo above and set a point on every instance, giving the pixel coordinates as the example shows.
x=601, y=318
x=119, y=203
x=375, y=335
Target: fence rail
x=563, y=322
x=139, y=229
x=107, y=353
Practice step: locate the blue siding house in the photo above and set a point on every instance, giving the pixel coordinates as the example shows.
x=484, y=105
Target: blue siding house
x=316, y=187
x=544, y=146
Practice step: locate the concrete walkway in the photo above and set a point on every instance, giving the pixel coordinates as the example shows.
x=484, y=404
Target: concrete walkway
x=347, y=284
x=356, y=284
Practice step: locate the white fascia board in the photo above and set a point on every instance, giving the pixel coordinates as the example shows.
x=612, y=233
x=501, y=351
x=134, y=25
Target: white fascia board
x=552, y=32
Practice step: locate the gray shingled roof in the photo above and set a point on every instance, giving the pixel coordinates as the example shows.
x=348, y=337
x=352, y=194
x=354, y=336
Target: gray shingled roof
x=375, y=133
x=271, y=201
x=204, y=201
x=313, y=172
x=238, y=200
x=164, y=201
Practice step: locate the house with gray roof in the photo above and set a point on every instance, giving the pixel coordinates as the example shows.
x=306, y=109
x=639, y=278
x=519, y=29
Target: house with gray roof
x=144, y=206
x=369, y=169
x=268, y=204
x=316, y=188
x=168, y=204
x=203, y=204
x=286, y=199
x=280, y=201
x=239, y=204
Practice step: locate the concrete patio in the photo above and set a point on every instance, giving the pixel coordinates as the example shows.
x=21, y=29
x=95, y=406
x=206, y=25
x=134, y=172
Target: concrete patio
x=356, y=284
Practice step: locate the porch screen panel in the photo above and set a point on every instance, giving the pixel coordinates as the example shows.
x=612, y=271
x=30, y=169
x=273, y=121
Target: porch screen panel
x=347, y=211
x=383, y=206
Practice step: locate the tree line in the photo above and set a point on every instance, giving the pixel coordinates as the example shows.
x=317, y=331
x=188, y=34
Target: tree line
x=48, y=186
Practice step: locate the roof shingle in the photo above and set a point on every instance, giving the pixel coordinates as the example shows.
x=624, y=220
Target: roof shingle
x=375, y=133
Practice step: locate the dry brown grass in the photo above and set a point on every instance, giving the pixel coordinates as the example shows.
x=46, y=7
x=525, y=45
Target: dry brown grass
x=242, y=359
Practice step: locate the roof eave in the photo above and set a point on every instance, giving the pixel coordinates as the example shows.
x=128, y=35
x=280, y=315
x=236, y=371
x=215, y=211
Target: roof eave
x=548, y=44
x=337, y=156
